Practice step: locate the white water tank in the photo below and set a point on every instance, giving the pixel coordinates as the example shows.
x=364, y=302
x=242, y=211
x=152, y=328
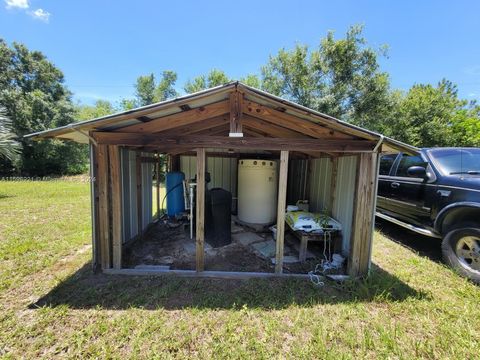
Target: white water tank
x=257, y=191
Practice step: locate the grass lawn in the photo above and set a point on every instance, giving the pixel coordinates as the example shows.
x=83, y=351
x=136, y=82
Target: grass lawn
x=52, y=306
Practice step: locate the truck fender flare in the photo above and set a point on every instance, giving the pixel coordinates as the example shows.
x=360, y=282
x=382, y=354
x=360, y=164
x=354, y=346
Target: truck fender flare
x=447, y=209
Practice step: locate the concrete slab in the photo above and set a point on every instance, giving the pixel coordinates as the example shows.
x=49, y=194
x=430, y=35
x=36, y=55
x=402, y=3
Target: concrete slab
x=265, y=248
x=246, y=238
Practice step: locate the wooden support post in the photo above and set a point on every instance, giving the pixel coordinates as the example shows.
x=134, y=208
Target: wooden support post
x=103, y=206
x=236, y=104
x=362, y=229
x=200, y=206
x=96, y=258
x=138, y=173
x=282, y=199
x=116, y=205
x=158, y=184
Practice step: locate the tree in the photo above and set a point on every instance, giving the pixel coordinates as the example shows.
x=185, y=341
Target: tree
x=148, y=91
x=145, y=90
x=214, y=78
x=340, y=78
x=9, y=147
x=35, y=98
x=99, y=109
x=435, y=116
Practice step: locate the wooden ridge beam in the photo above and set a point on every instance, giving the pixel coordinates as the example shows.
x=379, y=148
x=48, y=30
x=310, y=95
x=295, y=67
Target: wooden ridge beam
x=253, y=143
x=179, y=119
x=291, y=122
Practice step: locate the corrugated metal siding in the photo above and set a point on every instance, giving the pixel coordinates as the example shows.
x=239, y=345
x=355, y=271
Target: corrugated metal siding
x=320, y=189
x=129, y=198
x=223, y=171
x=320, y=184
x=345, y=197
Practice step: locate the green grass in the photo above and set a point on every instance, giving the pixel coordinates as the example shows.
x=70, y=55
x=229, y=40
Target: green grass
x=52, y=306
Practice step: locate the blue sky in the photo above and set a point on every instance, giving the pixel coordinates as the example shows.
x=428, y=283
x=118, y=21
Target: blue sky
x=103, y=45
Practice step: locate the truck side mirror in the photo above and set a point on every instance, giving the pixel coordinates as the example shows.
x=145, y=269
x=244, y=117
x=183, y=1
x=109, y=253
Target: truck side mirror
x=417, y=171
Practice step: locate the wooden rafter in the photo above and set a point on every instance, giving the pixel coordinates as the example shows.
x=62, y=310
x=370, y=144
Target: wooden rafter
x=179, y=119
x=291, y=122
x=199, y=126
x=271, y=129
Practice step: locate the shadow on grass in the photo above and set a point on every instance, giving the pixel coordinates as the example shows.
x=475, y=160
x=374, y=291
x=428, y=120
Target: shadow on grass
x=424, y=245
x=85, y=290
x=4, y=196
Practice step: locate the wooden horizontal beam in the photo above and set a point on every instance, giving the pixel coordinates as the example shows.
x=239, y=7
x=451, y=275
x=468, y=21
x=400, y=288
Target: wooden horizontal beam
x=252, y=143
x=179, y=119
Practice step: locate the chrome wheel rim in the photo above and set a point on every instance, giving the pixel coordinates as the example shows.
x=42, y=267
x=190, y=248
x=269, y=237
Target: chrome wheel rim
x=468, y=253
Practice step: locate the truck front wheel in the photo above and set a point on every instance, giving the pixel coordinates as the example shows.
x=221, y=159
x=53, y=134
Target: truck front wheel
x=461, y=250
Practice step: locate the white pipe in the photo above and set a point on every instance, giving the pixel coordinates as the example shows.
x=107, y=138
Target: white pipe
x=191, y=193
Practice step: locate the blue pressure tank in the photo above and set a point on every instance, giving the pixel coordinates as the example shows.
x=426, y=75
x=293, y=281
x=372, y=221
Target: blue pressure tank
x=175, y=200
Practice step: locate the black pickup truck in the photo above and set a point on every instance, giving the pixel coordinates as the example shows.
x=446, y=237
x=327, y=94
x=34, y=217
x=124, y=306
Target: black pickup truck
x=436, y=193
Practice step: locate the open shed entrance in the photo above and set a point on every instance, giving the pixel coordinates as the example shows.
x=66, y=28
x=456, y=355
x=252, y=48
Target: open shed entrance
x=241, y=208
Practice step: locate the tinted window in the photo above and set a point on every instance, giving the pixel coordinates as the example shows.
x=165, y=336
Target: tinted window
x=386, y=163
x=457, y=161
x=408, y=161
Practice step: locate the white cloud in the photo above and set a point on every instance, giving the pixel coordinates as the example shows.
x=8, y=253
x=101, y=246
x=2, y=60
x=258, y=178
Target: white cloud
x=41, y=14
x=20, y=4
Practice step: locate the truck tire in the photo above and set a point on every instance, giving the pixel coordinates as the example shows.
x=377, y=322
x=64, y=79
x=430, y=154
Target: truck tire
x=461, y=250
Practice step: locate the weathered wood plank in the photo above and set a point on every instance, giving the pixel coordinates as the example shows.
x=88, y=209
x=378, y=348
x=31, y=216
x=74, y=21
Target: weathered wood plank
x=180, y=119
x=103, y=206
x=194, y=141
x=281, y=206
x=362, y=230
x=116, y=205
x=236, y=101
x=200, y=211
x=291, y=122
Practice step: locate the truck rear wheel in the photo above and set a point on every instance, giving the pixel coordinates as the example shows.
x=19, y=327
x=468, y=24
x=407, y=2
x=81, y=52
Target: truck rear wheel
x=461, y=250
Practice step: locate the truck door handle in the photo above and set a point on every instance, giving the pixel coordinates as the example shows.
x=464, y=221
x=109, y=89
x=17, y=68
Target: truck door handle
x=395, y=185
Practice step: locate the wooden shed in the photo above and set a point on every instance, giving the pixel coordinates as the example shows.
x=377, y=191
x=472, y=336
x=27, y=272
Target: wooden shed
x=329, y=162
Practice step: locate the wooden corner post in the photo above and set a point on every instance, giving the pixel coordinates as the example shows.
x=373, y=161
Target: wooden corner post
x=103, y=206
x=282, y=203
x=364, y=206
x=116, y=204
x=200, y=214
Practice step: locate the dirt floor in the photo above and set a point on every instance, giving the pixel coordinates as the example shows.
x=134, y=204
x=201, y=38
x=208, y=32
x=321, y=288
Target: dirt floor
x=250, y=250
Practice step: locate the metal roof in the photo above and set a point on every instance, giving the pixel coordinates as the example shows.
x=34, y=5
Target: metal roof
x=78, y=131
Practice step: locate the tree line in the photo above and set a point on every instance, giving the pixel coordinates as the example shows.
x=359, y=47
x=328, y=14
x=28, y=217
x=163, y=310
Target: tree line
x=339, y=77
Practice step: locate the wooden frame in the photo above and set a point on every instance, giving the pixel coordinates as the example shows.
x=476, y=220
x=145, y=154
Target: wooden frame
x=364, y=205
x=195, y=141
x=268, y=128
x=281, y=206
x=200, y=211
